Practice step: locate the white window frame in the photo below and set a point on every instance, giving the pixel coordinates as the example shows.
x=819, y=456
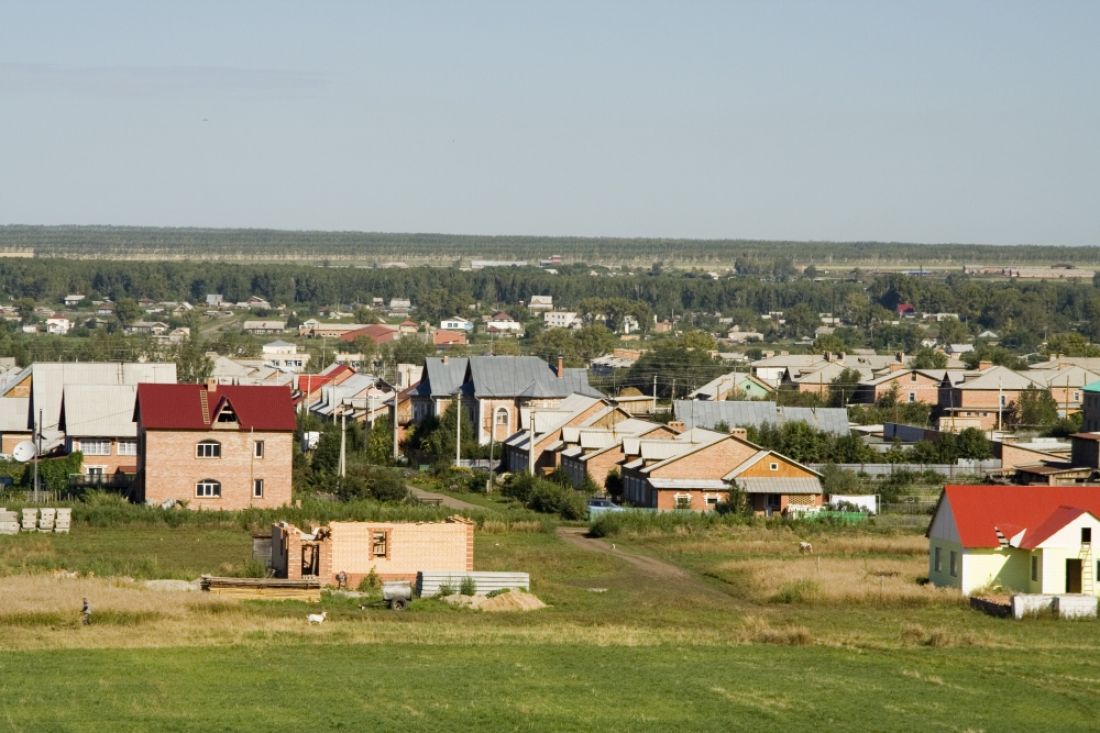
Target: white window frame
x=773, y=466
x=257, y=449
x=213, y=449
x=95, y=446
x=127, y=447
x=683, y=501
x=257, y=488
x=208, y=488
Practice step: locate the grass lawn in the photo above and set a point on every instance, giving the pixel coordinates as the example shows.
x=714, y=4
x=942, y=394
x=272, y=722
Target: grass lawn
x=715, y=630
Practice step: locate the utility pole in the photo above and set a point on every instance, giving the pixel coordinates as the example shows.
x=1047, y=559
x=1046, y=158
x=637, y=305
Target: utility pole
x=396, y=446
x=655, y=393
x=531, y=443
x=343, y=468
x=37, y=453
x=458, y=430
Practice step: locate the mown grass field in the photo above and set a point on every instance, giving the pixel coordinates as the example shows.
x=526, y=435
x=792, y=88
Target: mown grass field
x=746, y=635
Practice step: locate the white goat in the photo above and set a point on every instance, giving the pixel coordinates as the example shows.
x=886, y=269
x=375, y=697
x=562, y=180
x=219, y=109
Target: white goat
x=317, y=618
x=805, y=548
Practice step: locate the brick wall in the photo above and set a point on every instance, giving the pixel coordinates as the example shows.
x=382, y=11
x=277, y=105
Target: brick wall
x=712, y=462
x=171, y=468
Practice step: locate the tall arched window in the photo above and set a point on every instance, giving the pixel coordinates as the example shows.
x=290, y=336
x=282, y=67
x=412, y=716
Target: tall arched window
x=208, y=449
x=208, y=487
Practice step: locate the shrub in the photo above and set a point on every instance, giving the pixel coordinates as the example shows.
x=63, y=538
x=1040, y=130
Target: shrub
x=546, y=496
x=498, y=592
x=800, y=591
x=468, y=586
x=370, y=582
x=446, y=589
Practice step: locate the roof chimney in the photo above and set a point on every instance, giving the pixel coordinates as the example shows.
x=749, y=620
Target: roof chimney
x=211, y=385
x=984, y=364
x=677, y=425
x=561, y=367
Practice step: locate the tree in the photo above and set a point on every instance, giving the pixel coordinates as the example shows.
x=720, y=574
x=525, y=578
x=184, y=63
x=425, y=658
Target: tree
x=193, y=366
x=1034, y=408
x=927, y=358
x=843, y=387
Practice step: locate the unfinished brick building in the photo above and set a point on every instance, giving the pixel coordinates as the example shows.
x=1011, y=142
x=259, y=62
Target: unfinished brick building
x=394, y=550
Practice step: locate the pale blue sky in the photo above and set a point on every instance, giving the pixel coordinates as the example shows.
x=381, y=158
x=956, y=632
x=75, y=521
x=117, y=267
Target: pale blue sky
x=926, y=121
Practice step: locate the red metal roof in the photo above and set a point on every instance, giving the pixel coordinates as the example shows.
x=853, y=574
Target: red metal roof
x=979, y=509
x=195, y=406
x=375, y=332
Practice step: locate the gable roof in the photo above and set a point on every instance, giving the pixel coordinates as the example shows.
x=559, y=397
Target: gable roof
x=196, y=406
x=100, y=410
x=981, y=510
x=750, y=413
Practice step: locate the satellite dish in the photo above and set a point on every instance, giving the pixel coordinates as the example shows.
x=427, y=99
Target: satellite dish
x=24, y=451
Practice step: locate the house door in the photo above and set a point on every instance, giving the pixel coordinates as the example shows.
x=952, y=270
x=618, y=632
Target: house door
x=1073, y=575
x=772, y=506
x=310, y=560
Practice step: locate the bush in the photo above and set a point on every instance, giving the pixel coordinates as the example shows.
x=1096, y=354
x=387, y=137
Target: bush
x=468, y=586
x=546, y=496
x=370, y=582
x=446, y=589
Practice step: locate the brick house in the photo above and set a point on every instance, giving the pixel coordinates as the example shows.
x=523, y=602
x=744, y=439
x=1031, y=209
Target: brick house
x=913, y=385
x=394, y=550
x=217, y=447
x=983, y=397
x=593, y=454
x=698, y=469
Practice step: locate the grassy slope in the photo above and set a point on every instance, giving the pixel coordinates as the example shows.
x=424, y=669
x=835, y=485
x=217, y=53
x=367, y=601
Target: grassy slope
x=503, y=687
x=708, y=651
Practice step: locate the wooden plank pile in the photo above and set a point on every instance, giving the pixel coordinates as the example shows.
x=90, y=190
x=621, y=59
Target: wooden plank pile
x=307, y=589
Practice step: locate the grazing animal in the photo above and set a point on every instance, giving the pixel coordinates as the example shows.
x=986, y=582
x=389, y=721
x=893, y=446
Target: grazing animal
x=317, y=618
x=805, y=548
x=613, y=546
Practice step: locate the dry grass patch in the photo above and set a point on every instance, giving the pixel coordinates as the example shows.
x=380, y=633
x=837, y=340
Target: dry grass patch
x=755, y=541
x=58, y=594
x=808, y=579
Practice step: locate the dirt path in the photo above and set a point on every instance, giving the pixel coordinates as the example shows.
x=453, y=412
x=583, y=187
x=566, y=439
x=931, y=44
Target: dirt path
x=445, y=500
x=651, y=566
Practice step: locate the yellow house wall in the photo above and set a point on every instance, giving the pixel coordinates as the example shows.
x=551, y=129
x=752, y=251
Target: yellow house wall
x=1063, y=545
x=1003, y=567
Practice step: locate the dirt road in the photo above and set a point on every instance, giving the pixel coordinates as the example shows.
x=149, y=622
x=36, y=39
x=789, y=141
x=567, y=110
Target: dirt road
x=651, y=566
x=444, y=500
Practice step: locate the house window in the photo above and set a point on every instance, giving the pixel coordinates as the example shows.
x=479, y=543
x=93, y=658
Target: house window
x=380, y=543
x=258, y=449
x=208, y=488
x=95, y=446
x=1034, y=568
x=683, y=501
x=912, y=397
x=1086, y=535
x=712, y=501
x=227, y=415
x=1076, y=396
x=773, y=466
x=208, y=449
x=257, y=488
x=1003, y=400
x=127, y=448
x=937, y=560
x=954, y=564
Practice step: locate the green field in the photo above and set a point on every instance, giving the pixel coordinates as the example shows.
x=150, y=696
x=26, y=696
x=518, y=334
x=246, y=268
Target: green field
x=727, y=629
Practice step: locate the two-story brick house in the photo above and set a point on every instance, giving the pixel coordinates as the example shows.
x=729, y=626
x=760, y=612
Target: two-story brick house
x=217, y=447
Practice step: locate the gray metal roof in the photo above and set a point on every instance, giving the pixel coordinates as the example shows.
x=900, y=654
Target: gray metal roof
x=99, y=410
x=50, y=379
x=744, y=413
x=780, y=485
x=524, y=376
x=442, y=377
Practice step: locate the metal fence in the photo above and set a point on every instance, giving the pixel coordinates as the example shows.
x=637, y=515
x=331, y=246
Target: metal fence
x=429, y=583
x=947, y=470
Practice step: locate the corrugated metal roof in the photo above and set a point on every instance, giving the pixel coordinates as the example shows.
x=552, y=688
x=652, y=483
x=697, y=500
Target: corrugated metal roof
x=49, y=380
x=14, y=414
x=706, y=484
x=442, y=378
x=744, y=413
x=780, y=485
x=99, y=410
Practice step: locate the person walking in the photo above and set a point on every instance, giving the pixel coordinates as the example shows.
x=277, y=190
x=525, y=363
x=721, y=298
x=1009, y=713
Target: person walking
x=86, y=613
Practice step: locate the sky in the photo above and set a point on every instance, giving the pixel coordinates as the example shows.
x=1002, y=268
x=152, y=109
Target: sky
x=889, y=120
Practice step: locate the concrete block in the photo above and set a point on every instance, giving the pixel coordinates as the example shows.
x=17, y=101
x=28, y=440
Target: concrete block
x=1075, y=606
x=1024, y=604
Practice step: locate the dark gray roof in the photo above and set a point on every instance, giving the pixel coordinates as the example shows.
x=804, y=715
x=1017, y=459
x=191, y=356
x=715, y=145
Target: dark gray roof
x=742, y=413
x=442, y=378
x=524, y=376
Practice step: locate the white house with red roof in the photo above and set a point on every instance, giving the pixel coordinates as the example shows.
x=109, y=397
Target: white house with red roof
x=215, y=446
x=1030, y=539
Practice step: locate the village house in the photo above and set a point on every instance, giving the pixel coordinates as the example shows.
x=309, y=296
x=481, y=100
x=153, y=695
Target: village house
x=58, y=325
x=561, y=319
x=448, y=339
x=391, y=550
x=503, y=323
x=497, y=391
x=540, y=303
x=214, y=447
x=1030, y=539
x=700, y=469
x=284, y=356
x=376, y=333
x=312, y=328
x=755, y=414
x=733, y=386
x=307, y=388
x=590, y=454
x=982, y=397
x=910, y=385
x=262, y=328
x=359, y=397
x=456, y=323
x=38, y=390
x=399, y=307
x=547, y=427
x=73, y=300
x=147, y=328
x=98, y=421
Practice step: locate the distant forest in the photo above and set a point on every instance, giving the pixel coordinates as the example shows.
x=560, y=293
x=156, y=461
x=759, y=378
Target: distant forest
x=372, y=248
x=1029, y=309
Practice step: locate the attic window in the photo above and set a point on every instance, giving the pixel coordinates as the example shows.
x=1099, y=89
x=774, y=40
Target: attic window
x=1086, y=535
x=227, y=414
x=773, y=466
